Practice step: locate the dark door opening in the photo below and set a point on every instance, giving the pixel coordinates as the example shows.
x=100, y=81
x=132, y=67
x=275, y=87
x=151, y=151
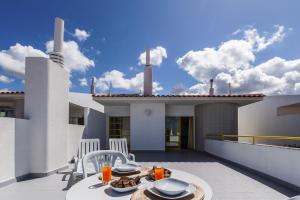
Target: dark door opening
x=179, y=133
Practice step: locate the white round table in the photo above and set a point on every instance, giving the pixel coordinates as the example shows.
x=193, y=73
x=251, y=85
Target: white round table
x=92, y=188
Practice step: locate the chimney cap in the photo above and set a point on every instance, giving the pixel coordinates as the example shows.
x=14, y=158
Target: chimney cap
x=148, y=57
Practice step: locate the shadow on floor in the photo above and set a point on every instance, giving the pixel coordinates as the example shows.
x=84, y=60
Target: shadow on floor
x=174, y=156
x=68, y=177
x=194, y=156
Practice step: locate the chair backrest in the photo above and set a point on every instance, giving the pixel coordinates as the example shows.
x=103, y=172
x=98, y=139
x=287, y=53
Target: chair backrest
x=88, y=145
x=94, y=161
x=118, y=144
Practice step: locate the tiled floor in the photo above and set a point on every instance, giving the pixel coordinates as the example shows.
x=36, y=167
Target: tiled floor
x=228, y=182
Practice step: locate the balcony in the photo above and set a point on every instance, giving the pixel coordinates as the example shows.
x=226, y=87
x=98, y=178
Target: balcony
x=227, y=180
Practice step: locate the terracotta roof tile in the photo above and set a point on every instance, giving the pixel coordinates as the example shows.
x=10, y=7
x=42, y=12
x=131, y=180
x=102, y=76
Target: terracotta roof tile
x=11, y=92
x=138, y=95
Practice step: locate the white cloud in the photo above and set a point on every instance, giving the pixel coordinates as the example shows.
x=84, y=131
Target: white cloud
x=297, y=88
x=117, y=79
x=5, y=79
x=262, y=42
x=156, y=56
x=232, y=62
x=83, y=82
x=81, y=35
x=13, y=59
x=75, y=60
x=4, y=90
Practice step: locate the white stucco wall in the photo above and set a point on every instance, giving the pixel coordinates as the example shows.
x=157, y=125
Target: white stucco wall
x=75, y=133
x=261, y=118
x=278, y=162
x=147, y=131
x=47, y=107
x=118, y=111
x=180, y=110
x=214, y=118
x=85, y=100
x=96, y=127
x=14, y=148
x=19, y=105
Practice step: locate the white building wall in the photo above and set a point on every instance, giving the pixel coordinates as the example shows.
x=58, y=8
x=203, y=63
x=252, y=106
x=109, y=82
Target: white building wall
x=75, y=133
x=180, y=110
x=14, y=148
x=96, y=127
x=85, y=100
x=121, y=111
x=47, y=107
x=147, y=130
x=214, y=118
x=261, y=118
x=19, y=105
x=279, y=162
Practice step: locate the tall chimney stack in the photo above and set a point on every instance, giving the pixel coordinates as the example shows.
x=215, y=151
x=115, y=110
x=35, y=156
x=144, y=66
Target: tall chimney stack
x=229, y=89
x=148, y=75
x=93, y=88
x=211, y=89
x=57, y=56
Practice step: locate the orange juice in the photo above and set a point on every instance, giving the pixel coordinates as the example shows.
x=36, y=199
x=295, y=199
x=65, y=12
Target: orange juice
x=106, y=174
x=159, y=173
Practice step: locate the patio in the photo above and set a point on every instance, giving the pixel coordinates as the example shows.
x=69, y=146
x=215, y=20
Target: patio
x=227, y=181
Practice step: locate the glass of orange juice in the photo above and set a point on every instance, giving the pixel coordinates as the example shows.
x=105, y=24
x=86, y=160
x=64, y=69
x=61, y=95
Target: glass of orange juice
x=159, y=173
x=106, y=174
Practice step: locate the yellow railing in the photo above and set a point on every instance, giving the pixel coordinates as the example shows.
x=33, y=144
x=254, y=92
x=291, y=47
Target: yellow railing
x=252, y=137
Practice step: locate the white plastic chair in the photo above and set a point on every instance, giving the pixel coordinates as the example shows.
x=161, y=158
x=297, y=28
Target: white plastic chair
x=94, y=161
x=85, y=146
x=120, y=144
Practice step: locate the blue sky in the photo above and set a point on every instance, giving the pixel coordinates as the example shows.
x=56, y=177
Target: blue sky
x=121, y=30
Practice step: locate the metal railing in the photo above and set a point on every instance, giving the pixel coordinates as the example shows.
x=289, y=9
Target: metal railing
x=252, y=137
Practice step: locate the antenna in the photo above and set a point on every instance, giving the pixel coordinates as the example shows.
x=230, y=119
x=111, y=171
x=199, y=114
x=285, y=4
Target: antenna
x=57, y=56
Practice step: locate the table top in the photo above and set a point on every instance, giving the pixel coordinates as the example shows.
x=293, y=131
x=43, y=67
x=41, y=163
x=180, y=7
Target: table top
x=92, y=188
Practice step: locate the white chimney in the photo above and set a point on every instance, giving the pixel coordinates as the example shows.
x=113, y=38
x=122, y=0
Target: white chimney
x=211, y=89
x=229, y=89
x=57, y=56
x=148, y=75
x=93, y=88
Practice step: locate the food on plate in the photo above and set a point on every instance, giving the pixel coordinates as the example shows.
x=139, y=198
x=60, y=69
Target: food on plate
x=125, y=182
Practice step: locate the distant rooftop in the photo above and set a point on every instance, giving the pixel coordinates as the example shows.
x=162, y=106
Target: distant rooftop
x=157, y=96
x=11, y=92
x=139, y=95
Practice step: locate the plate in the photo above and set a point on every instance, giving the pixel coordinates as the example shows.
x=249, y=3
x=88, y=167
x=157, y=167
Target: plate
x=126, y=168
x=170, y=186
x=189, y=190
x=127, y=189
x=134, y=163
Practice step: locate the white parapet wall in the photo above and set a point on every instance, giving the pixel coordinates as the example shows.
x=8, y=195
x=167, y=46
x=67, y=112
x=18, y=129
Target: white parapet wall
x=279, y=162
x=14, y=153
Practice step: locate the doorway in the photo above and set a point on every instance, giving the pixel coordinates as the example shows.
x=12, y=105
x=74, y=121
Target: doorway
x=179, y=133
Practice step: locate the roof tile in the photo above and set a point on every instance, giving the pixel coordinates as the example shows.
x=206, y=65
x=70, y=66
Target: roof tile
x=138, y=95
x=11, y=92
